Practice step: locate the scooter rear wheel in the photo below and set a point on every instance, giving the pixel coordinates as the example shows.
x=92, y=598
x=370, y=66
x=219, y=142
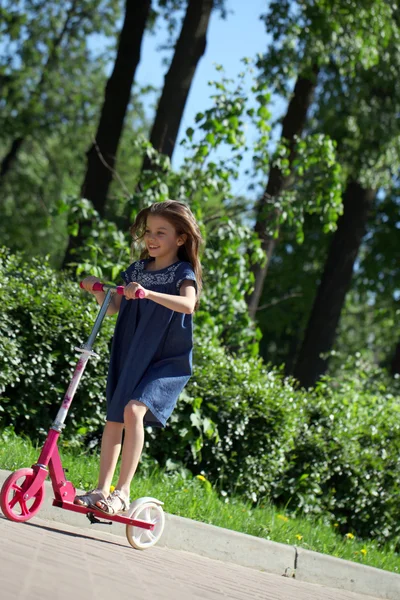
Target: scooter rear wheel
x=140, y=538
x=12, y=502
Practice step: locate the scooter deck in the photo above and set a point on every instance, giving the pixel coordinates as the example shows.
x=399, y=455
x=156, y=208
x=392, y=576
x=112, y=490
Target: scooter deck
x=100, y=515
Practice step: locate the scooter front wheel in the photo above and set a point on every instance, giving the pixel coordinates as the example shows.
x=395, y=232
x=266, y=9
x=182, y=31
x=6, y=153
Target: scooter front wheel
x=12, y=502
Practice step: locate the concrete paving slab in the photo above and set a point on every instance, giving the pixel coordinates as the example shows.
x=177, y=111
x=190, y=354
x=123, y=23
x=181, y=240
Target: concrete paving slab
x=47, y=560
x=243, y=550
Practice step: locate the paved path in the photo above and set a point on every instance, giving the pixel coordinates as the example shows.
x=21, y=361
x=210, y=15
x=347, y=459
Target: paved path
x=43, y=560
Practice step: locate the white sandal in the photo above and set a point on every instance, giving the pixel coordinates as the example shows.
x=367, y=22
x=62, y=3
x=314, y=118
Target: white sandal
x=115, y=504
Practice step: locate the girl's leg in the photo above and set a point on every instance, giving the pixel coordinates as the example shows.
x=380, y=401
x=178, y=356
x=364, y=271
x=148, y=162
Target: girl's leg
x=133, y=444
x=132, y=449
x=110, y=450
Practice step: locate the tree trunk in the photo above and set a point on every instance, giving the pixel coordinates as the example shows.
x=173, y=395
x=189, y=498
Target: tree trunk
x=335, y=283
x=395, y=364
x=102, y=154
x=11, y=156
x=292, y=127
x=189, y=48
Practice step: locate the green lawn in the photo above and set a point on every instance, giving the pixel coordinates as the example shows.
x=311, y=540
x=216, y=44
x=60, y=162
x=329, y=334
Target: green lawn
x=196, y=499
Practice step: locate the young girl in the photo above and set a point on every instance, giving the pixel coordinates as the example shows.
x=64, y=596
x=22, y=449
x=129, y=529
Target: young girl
x=151, y=354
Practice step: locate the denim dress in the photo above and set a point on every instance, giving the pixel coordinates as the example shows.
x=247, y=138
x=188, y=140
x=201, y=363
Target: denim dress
x=151, y=352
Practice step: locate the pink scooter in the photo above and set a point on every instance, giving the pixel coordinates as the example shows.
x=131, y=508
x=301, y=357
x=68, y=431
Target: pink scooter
x=23, y=491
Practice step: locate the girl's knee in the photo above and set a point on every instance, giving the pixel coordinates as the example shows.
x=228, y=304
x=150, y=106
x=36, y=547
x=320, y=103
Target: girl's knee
x=134, y=411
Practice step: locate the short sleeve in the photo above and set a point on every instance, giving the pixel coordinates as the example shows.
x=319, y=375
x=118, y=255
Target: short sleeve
x=184, y=273
x=124, y=275
x=130, y=274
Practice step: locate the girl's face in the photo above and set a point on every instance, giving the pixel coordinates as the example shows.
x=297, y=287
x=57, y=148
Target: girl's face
x=161, y=238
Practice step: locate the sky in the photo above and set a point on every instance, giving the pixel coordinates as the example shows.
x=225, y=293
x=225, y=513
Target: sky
x=241, y=34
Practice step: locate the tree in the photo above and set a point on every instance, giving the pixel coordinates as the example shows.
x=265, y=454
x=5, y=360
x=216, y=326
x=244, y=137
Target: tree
x=46, y=111
x=37, y=193
x=292, y=128
x=41, y=40
x=367, y=136
x=377, y=280
x=335, y=284
x=204, y=182
x=189, y=49
x=306, y=37
x=101, y=156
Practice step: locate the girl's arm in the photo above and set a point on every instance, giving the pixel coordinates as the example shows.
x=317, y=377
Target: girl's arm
x=184, y=303
x=115, y=303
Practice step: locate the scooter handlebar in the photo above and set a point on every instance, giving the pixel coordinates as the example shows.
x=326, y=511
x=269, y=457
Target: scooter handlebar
x=100, y=287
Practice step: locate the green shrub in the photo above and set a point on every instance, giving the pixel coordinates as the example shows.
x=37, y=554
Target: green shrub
x=332, y=451
x=346, y=458
x=45, y=316
x=236, y=421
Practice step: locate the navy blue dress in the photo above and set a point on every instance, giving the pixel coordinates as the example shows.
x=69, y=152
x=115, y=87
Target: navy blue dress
x=151, y=352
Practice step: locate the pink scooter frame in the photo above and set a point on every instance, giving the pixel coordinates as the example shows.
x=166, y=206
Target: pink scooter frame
x=49, y=462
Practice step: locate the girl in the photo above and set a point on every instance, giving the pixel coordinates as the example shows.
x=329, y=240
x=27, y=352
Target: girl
x=151, y=353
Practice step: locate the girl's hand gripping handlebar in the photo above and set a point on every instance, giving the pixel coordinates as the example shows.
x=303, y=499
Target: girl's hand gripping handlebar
x=101, y=287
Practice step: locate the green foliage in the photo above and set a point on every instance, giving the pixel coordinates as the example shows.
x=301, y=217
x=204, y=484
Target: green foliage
x=366, y=326
x=106, y=251
x=45, y=182
x=47, y=59
x=316, y=187
x=206, y=185
x=45, y=317
x=223, y=311
x=367, y=133
x=214, y=147
x=333, y=451
x=49, y=97
x=346, y=33
x=289, y=292
x=346, y=456
x=246, y=417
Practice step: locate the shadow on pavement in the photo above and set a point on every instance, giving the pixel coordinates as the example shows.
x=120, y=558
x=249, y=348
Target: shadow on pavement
x=55, y=529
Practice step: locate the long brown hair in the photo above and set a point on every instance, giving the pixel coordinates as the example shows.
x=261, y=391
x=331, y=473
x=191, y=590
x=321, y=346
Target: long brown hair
x=182, y=219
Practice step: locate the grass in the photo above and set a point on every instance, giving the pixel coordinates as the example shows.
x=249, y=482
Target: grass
x=195, y=498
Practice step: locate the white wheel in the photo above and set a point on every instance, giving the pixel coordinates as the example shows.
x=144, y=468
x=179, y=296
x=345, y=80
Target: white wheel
x=140, y=538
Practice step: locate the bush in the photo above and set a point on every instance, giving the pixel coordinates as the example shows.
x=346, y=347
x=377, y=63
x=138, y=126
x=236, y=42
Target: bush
x=332, y=451
x=235, y=422
x=45, y=316
x=346, y=458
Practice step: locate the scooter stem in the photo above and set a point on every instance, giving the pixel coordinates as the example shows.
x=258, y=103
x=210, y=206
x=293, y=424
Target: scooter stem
x=86, y=351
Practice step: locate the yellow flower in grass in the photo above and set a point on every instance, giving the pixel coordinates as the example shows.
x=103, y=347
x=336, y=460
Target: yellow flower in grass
x=283, y=518
x=363, y=551
x=350, y=536
x=205, y=482
x=299, y=537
